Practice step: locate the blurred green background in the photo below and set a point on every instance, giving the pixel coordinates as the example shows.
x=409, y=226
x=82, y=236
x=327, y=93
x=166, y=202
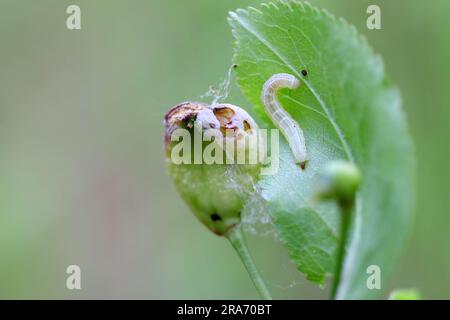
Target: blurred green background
x=82, y=174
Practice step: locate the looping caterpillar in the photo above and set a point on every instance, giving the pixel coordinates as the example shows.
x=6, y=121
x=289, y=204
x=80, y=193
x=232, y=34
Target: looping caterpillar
x=289, y=127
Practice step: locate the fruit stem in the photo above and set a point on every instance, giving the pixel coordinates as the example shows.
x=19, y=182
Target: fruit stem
x=346, y=213
x=237, y=240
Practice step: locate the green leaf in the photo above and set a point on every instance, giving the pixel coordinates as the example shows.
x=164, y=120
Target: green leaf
x=348, y=110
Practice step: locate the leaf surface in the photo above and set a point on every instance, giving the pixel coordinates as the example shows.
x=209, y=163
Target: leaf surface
x=347, y=109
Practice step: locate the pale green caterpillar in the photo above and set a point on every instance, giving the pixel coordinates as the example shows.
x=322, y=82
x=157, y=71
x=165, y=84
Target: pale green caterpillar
x=282, y=120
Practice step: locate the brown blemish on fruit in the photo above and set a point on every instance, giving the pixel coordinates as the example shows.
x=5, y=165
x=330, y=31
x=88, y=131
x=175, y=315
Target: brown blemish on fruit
x=227, y=120
x=181, y=115
x=224, y=115
x=247, y=126
x=232, y=123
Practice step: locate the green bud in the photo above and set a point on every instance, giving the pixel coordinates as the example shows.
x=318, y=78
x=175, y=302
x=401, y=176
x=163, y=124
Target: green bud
x=340, y=181
x=214, y=175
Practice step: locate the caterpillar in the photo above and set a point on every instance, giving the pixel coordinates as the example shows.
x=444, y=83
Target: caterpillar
x=289, y=127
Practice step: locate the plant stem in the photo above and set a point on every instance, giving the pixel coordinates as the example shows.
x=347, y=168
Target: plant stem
x=237, y=240
x=346, y=212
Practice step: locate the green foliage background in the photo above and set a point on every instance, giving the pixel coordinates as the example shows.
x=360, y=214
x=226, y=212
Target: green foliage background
x=82, y=176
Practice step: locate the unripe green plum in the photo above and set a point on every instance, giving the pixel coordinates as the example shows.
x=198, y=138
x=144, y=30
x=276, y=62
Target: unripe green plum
x=215, y=192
